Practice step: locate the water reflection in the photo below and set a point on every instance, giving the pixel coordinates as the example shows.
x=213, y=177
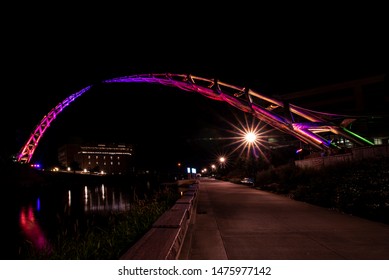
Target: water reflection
x=99, y=199
x=31, y=228
x=45, y=213
x=69, y=198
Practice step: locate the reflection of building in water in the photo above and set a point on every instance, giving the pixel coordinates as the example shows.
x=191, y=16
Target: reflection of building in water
x=101, y=199
x=114, y=159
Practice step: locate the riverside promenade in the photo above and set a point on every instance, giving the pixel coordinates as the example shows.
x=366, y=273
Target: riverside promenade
x=237, y=222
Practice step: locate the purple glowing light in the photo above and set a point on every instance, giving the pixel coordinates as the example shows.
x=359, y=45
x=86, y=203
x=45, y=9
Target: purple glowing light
x=28, y=149
x=307, y=132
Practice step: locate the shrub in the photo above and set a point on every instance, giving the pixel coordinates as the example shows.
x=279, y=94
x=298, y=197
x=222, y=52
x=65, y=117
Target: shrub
x=360, y=188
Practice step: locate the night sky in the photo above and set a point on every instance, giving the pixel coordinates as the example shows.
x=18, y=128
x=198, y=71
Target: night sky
x=46, y=61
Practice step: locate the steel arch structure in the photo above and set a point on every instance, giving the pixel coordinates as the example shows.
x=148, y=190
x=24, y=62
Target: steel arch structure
x=308, y=126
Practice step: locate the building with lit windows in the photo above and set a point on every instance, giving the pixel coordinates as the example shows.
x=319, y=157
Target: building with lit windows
x=111, y=159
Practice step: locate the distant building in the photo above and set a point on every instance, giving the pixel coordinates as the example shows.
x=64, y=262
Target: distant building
x=112, y=159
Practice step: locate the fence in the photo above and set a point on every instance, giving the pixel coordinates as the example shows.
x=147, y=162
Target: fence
x=355, y=154
x=165, y=239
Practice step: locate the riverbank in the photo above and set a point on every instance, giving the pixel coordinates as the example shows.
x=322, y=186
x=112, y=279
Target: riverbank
x=78, y=216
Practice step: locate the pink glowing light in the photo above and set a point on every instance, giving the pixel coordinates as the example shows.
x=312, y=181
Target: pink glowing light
x=31, y=229
x=28, y=149
x=245, y=100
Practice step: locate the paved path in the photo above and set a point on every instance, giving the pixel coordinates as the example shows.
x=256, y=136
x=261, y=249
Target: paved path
x=237, y=222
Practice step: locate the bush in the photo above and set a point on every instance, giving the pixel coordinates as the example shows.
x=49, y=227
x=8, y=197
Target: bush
x=361, y=188
x=108, y=235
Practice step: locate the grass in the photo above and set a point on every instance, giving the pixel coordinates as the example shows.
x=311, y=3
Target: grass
x=360, y=189
x=107, y=236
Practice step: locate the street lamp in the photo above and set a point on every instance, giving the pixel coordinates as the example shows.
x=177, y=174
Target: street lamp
x=250, y=137
x=222, y=161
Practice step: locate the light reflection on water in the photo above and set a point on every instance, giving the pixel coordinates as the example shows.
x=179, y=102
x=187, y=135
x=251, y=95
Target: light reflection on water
x=31, y=229
x=43, y=213
x=99, y=199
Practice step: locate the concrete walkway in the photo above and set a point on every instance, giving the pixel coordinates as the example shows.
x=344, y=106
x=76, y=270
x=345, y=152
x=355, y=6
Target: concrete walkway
x=237, y=222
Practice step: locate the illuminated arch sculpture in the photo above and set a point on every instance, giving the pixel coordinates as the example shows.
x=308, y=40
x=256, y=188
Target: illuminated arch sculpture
x=309, y=128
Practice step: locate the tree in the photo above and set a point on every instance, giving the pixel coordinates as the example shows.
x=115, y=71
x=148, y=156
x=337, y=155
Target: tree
x=75, y=166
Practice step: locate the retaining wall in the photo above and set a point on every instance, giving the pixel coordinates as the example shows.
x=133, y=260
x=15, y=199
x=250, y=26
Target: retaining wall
x=356, y=154
x=164, y=240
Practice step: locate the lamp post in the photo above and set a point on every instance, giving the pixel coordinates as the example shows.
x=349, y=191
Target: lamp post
x=222, y=161
x=213, y=169
x=251, y=138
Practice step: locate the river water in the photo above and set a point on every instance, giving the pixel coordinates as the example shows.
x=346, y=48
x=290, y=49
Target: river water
x=33, y=216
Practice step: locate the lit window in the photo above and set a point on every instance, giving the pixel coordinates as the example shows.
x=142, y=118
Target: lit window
x=377, y=141
x=118, y=162
x=111, y=162
x=105, y=163
x=97, y=157
x=89, y=162
x=88, y=157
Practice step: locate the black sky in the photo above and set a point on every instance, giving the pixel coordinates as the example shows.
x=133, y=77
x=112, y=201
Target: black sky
x=47, y=59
